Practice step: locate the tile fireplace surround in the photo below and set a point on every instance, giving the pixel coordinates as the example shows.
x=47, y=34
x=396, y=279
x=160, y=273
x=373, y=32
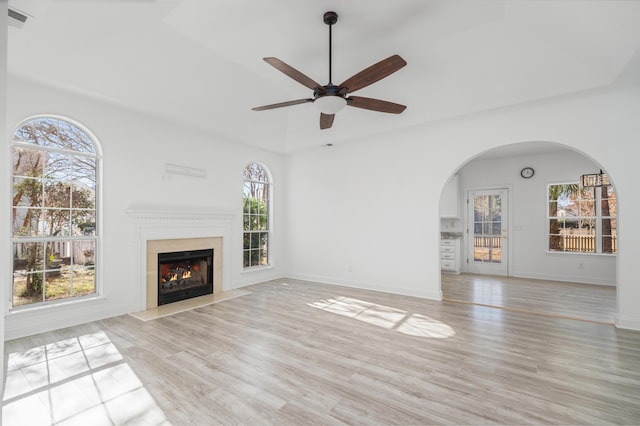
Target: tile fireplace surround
x=160, y=230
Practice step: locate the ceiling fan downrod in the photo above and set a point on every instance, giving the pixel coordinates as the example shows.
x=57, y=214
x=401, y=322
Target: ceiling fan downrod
x=330, y=18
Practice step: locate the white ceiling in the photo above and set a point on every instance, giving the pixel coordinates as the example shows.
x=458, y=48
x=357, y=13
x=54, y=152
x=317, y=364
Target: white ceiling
x=199, y=62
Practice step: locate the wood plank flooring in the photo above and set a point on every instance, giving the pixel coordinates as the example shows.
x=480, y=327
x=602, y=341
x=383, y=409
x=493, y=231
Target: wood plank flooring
x=586, y=302
x=302, y=353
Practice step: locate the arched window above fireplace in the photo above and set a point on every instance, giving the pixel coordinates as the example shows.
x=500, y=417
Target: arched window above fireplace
x=256, y=215
x=54, y=212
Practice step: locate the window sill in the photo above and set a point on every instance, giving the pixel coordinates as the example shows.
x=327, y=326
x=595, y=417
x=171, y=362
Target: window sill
x=256, y=268
x=575, y=253
x=41, y=307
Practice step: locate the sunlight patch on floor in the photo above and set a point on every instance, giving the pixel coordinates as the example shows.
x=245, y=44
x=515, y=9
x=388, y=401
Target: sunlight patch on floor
x=386, y=317
x=83, y=380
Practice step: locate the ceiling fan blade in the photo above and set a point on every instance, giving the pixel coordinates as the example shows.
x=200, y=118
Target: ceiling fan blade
x=375, y=105
x=282, y=104
x=293, y=73
x=326, y=120
x=374, y=73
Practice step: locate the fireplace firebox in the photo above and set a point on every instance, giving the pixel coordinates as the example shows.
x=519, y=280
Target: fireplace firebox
x=184, y=274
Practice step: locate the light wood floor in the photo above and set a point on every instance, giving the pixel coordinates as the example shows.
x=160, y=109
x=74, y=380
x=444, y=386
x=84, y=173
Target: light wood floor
x=298, y=353
x=586, y=302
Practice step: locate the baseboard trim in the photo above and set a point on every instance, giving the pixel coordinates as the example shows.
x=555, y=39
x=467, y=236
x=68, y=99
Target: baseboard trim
x=628, y=323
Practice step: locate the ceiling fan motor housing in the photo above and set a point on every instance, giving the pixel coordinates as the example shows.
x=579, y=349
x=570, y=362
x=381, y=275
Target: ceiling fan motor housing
x=329, y=90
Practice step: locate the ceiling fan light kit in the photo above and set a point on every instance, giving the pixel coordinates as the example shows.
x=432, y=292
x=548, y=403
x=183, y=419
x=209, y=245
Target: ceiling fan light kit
x=330, y=99
x=330, y=104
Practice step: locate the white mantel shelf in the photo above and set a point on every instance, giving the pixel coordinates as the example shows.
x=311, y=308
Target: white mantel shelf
x=159, y=214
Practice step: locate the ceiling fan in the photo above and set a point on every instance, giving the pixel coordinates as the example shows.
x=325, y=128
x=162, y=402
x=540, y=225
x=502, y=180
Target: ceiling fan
x=330, y=98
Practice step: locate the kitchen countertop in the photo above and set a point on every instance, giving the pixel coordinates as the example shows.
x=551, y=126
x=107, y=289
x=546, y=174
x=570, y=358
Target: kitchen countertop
x=450, y=235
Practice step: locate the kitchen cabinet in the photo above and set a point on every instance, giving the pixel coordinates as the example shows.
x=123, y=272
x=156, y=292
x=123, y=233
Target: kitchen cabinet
x=450, y=255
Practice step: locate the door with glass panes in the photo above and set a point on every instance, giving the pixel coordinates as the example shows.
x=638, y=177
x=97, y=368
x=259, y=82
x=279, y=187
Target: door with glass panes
x=487, y=232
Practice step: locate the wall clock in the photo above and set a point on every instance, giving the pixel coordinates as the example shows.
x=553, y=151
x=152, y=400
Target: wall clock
x=527, y=172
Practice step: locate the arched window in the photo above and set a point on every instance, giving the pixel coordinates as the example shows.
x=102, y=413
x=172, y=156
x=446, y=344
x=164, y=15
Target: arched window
x=256, y=216
x=54, y=218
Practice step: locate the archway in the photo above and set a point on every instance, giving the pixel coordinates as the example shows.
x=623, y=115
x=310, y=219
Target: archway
x=526, y=241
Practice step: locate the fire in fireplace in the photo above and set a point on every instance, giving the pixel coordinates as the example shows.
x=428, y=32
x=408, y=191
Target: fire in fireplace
x=184, y=274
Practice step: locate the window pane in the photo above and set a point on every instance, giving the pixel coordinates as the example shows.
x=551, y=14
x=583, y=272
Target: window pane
x=247, y=194
x=496, y=228
x=480, y=208
x=57, y=194
x=263, y=222
x=586, y=193
x=28, y=256
x=608, y=244
x=25, y=134
x=555, y=242
x=57, y=222
x=586, y=208
x=587, y=224
x=82, y=197
x=495, y=202
x=27, y=192
x=71, y=137
x=84, y=253
x=84, y=172
x=46, y=131
x=25, y=222
x=254, y=257
x=28, y=272
x=83, y=222
x=57, y=166
x=255, y=241
x=27, y=288
x=28, y=162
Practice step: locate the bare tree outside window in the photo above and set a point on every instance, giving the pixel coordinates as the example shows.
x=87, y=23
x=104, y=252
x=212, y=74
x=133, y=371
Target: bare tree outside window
x=54, y=212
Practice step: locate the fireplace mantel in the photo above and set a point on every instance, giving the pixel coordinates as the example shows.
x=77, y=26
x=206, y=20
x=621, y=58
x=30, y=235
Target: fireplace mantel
x=150, y=224
x=151, y=215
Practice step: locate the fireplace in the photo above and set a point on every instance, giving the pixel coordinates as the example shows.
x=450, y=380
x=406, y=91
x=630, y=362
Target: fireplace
x=165, y=230
x=184, y=274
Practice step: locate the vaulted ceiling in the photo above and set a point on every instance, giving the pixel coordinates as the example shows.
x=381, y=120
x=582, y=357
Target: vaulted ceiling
x=199, y=62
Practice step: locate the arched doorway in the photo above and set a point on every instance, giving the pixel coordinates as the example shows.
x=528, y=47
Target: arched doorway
x=531, y=261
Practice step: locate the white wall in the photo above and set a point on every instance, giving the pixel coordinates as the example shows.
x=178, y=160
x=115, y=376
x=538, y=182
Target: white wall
x=528, y=201
x=135, y=150
x=5, y=253
x=361, y=215
x=373, y=205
